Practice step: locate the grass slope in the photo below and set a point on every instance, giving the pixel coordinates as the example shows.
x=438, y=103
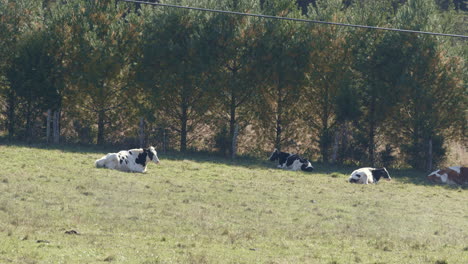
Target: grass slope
x=211, y=211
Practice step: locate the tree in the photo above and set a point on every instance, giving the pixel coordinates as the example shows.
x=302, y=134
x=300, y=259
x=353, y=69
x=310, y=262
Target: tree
x=13, y=24
x=103, y=41
x=375, y=94
x=31, y=78
x=328, y=72
x=174, y=66
x=235, y=38
x=430, y=105
x=280, y=65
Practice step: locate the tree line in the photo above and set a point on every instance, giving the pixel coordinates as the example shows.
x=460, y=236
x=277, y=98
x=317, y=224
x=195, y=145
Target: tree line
x=110, y=72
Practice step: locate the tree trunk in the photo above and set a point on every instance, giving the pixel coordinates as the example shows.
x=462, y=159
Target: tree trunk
x=141, y=132
x=344, y=141
x=429, y=156
x=232, y=123
x=371, y=145
x=28, y=132
x=371, y=148
x=164, y=143
x=11, y=102
x=56, y=126
x=49, y=118
x=100, y=135
x=279, y=120
x=183, y=128
x=336, y=144
x=324, y=143
x=234, y=141
x=325, y=136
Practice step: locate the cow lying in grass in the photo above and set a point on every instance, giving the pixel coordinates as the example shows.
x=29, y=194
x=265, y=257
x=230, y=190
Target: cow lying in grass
x=134, y=160
x=368, y=175
x=451, y=175
x=290, y=161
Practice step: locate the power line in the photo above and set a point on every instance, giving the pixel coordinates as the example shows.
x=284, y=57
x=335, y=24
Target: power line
x=295, y=19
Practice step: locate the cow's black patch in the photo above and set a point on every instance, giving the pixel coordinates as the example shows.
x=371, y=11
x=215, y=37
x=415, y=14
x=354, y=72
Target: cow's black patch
x=290, y=160
x=121, y=161
x=305, y=165
x=130, y=153
x=283, y=157
x=379, y=173
x=141, y=159
x=280, y=156
x=274, y=155
x=150, y=154
x=126, y=161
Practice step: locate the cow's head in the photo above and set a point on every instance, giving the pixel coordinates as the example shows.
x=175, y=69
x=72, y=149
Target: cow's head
x=306, y=165
x=355, y=178
x=274, y=156
x=381, y=173
x=152, y=154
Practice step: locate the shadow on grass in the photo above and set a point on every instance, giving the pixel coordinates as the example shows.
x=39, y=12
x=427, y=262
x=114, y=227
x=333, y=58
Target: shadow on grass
x=410, y=176
x=204, y=157
x=418, y=177
x=246, y=161
x=404, y=175
x=72, y=148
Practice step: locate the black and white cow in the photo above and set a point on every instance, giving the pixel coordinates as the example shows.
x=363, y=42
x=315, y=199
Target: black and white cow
x=369, y=175
x=134, y=160
x=290, y=161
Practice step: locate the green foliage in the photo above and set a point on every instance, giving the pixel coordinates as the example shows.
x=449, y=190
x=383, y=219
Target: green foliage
x=431, y=105
x=339, y=94
x=16, y=19
x=103, y=41
x=233, y=45
x=31, y=78
x=329, y=73
x=282, y=71
x=175, y=61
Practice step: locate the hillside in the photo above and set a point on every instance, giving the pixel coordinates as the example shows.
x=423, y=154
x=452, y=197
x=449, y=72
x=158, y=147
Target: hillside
x=201, y=209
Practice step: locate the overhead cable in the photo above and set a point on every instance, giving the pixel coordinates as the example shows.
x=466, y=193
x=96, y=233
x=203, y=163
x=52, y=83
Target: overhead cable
x=295, y=19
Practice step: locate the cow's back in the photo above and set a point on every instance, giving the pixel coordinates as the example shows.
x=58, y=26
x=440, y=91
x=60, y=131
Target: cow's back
x=451, y=175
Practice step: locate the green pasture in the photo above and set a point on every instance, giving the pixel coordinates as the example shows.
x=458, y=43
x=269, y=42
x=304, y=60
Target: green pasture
x=202, y=209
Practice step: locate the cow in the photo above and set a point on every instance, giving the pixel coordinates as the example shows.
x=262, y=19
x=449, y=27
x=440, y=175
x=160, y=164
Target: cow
x=450, y=175
x=290, y=161
x=134, y=160
x=369, y=175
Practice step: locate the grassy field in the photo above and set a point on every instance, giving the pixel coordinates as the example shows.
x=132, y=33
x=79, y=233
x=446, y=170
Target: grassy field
x=197, y=209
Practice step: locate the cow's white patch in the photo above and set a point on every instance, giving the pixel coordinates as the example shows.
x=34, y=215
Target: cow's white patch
x=134, y=160
x=443, y=177
x=296, y=165
x=362, y=176
x=457, y=169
